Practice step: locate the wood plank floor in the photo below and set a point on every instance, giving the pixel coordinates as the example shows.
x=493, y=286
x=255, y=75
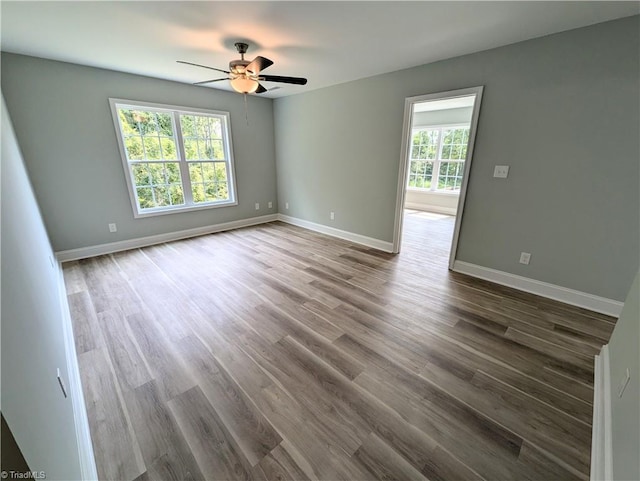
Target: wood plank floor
x=274, y=352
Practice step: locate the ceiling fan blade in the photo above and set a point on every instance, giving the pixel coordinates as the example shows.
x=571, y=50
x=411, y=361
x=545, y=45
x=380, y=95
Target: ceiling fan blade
x=261, y=89
x=258, y=64
x=203, y=66
x=286, y=80
x=209, y=81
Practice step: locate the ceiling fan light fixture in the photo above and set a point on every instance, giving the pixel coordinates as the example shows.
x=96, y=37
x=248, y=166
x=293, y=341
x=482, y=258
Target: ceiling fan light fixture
x=244, y=85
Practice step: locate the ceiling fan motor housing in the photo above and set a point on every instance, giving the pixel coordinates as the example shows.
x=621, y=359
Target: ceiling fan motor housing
x=238, y=66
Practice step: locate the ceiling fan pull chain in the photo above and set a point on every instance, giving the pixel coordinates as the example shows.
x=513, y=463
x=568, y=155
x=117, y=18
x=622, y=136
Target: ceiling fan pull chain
x=246, y=109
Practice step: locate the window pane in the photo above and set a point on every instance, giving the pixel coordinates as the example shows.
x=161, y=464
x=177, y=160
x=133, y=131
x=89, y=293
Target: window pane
x=156, y=172
x=145, y=197
x=164, y=125
x=222, y=192
x=173, y=173
x=210, y=191
x=127, y=124
x=208, y=171
x=187, y=125
x=161, y=194
x=168, y=148
x=147, y=121
x=195, y=172
x=152, y=148
x=206, y=151
x=140, y=174
x=133, y=145
x=420, y=174
x=216, y=128
x=201, y=125
x=450, y=176
x=191, y=148
x=176, y=195
x=220, y=172
x=218, y=151
x=197, y=190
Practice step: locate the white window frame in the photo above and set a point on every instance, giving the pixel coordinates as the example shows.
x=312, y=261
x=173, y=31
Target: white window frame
x=435, y=176
x=175, y=112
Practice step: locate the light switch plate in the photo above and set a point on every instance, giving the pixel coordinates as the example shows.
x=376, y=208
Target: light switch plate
x=501, y=171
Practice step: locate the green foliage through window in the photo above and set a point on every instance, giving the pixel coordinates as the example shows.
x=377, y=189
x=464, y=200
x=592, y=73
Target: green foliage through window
x=166, y=176
x=437, y=158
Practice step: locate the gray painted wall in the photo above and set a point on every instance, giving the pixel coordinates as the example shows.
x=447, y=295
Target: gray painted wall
x=40, y=418
x=63, y=122
x=624, y=353
x=561, y=110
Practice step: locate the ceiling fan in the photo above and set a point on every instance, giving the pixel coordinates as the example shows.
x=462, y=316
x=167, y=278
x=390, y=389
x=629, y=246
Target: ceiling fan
x=245, y=76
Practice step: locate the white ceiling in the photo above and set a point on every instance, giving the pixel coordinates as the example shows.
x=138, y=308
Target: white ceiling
x=327, y=42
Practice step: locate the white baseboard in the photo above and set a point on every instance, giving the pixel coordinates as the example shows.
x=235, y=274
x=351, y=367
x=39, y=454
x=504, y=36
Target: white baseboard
x=81, y=421
x=431, y=208
x=601, y=442
x=544, y=289
x=92, y=251
x=341, y=234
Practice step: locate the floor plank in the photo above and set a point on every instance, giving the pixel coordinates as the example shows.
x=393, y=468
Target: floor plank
x=274, y=352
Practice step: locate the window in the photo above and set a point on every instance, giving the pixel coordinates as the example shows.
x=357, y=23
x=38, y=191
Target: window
x=437, y=158
x=175, y=158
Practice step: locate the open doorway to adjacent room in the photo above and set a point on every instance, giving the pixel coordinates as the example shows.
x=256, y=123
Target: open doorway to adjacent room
x=438, y=138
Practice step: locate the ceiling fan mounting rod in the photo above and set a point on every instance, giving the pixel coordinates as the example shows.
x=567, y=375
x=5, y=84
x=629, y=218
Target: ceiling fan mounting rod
x=241, y=47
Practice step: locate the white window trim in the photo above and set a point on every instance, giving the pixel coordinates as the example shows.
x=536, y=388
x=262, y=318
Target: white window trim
x=438, y=160
x=183, y=164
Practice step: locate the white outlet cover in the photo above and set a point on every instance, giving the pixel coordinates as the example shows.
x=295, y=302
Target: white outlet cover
x=525, y=258
x=501, y=171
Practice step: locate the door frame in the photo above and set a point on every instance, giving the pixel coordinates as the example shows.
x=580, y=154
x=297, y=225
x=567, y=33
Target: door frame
x=403, y=173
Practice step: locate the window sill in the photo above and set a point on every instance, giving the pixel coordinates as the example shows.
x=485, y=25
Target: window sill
x=188, y=208
x=436, y=192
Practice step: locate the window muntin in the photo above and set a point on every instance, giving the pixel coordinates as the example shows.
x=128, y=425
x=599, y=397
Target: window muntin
x=437, y=158
x=175, y=158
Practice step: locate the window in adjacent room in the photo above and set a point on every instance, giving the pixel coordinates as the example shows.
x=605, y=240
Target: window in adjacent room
x=437, y=158
x=175, y=158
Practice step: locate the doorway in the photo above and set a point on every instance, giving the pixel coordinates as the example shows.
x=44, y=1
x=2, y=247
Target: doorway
x=437, y=150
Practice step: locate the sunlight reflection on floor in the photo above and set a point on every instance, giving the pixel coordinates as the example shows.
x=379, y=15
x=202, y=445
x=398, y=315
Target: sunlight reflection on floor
x=426, y=215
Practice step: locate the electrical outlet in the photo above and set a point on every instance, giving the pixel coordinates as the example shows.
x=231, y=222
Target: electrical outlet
x=257, y=205
x=113, y=228
x=270, y=204
x=501, y=171
x=286, y=205
x=525, y=258
x=332, y=216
